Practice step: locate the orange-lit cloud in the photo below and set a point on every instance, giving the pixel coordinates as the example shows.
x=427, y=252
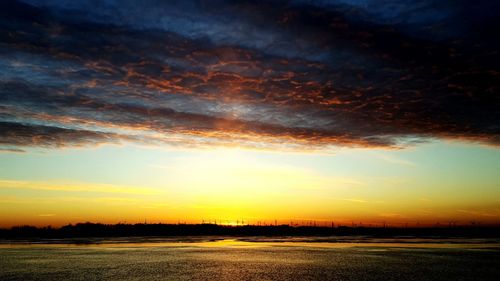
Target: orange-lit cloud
x=298, y=75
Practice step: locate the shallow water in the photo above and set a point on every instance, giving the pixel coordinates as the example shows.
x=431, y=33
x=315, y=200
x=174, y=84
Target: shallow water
x=251, y=259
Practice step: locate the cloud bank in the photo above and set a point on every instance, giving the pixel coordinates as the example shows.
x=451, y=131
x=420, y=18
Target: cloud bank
x=265, y=74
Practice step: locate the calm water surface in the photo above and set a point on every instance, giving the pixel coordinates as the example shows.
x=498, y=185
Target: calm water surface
x=251, y=259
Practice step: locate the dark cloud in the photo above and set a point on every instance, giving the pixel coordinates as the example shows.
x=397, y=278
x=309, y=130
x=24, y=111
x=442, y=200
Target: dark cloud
x=46, y=136
x=306, y=73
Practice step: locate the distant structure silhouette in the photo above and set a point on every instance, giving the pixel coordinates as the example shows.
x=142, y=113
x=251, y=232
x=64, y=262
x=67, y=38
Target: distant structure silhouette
x=184, y=229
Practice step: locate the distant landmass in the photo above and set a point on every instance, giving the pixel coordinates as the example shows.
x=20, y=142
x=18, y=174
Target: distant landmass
x=159, y=229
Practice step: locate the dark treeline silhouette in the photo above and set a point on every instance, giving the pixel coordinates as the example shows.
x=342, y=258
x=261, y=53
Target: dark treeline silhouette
x=131, y=230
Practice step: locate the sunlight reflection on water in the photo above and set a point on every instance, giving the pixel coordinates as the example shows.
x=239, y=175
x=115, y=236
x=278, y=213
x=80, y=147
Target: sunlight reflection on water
x=204, y=258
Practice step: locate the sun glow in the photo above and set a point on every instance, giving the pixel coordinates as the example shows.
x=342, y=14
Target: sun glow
x=229, y=185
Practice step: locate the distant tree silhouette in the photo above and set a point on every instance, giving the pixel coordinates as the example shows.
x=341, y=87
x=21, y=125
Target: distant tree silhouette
x=157, y=229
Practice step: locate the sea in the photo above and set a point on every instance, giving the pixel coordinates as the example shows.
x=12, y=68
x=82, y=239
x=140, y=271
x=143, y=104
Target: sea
x=251, y=258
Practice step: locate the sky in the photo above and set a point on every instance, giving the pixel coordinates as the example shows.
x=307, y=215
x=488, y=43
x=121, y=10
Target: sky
x=345, y=111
